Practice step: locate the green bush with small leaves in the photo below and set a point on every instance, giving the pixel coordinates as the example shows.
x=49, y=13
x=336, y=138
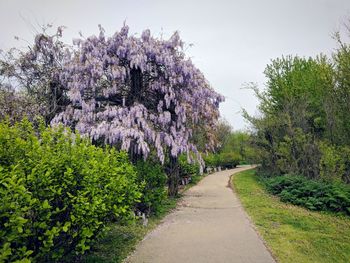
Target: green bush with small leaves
x=229, y=159
x=332, y=163
x=312, y=194
x=224, y=159
x=211, y=160
x=58, y=191
x=187, y=168
x=152, y=177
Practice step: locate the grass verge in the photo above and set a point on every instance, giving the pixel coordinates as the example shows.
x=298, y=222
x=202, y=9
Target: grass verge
x=121, y=240
x=293, y=234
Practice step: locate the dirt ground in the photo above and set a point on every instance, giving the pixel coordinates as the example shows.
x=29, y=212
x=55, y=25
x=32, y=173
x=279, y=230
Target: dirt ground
x=209, y=225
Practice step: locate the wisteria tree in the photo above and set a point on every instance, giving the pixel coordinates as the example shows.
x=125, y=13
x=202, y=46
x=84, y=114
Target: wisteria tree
x=32, y=76
x=139, y=93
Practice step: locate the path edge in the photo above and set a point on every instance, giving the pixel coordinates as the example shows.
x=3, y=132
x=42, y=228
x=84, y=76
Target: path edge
x=251, y=222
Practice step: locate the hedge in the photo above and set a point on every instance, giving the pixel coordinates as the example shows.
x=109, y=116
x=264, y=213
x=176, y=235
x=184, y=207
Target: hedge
x=58, y=191
x=312, y=194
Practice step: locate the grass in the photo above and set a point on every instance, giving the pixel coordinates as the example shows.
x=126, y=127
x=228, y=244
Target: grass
x=121, y=240
x=292, y=233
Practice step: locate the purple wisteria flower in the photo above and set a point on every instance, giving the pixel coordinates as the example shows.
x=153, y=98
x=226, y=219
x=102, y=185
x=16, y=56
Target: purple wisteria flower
x=140, y=93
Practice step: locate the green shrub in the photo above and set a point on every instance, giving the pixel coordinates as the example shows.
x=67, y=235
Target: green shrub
x=314, y=195
x=153, y=178
x=224, y=159
x=332, y=167
x=345, y=153
x=186, y=168
x=211, y=160
x=229, y=159
x=58, y=191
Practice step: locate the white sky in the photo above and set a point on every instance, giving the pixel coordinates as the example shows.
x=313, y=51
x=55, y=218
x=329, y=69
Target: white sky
x=233, y=40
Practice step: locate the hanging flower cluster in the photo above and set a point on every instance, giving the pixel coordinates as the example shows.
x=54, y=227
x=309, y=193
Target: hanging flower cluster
x=139, y=93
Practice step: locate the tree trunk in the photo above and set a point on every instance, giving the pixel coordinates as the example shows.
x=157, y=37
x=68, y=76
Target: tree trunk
x=173, y=177
x=136, y=87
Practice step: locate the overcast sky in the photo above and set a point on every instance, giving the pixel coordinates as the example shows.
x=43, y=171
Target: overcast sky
x=232, y=40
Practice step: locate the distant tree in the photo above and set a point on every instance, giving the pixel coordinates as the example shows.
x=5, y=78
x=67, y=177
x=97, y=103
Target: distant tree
x=223, y=132
x=340, y=107
x=295, y=111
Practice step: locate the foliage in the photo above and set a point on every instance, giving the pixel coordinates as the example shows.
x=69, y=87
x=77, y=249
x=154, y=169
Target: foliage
x=239, y=142
x=332, y=164
x=303, y=126
x=58, y=191
x=341, y=91
x=229, y=159
x=286, y=134
x=187, y=168
x=314, y=195
x=223, y=131
x=292, y=233
x=235, y=148
x=151, y=175
x=211, y=160
x=122, y=240
x=344, y=152
x=225, y=160
x=138, y=93
x=34, y=74
x=16, y=105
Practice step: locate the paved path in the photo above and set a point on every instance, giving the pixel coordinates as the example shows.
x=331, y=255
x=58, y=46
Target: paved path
x=209, y=225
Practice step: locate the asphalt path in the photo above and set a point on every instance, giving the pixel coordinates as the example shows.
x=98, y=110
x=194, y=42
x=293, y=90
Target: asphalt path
x=209, y=225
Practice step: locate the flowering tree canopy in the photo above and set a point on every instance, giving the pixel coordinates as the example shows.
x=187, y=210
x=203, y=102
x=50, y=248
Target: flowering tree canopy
x=35, y=73
x=139, y=93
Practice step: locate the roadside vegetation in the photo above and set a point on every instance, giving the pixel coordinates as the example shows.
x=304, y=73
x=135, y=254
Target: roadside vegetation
x=121, y=239
x=96, y=141
x=312, y=194
x=233, y=148
x=302, y=134
x=293, y=234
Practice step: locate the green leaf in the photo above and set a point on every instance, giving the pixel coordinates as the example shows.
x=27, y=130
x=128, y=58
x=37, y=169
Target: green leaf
x=46, y=204
x=66, y=226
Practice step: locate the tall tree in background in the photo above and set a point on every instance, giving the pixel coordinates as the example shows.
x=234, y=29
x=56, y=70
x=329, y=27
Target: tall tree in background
x=222, y=134
x=341, y=99
x=293, y=114
x=304, y=124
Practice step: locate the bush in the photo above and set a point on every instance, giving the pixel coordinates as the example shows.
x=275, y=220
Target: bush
x=314, y=195
x=186, y=168
x=58, y=191
x=332, y=167
x=153, y=178
x=211, y=160
x=229, y=160
x=225, y=160
x=345, y=153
